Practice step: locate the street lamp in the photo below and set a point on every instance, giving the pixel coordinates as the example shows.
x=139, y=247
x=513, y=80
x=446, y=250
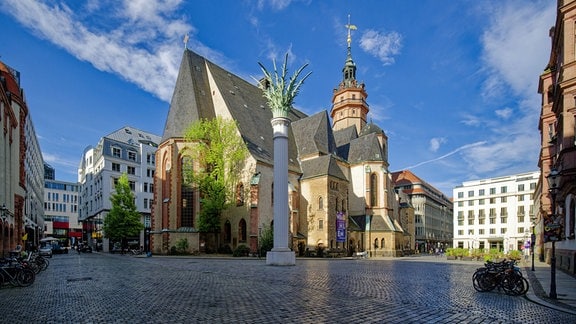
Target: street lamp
x=553, y=182
x=533, y=243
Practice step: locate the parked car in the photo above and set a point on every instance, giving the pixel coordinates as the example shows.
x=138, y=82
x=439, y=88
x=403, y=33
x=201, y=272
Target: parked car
x=57, y=249
x=46, y=250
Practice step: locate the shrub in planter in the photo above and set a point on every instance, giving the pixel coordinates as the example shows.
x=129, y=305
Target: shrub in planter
x=514, y=255
x=477, y=254
x=241, y=250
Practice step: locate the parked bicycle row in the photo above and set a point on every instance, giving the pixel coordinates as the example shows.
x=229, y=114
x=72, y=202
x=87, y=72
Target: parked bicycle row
x=21, y=271
x=504, y=275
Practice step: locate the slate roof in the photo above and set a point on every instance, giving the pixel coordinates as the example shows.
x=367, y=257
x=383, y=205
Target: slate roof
x=134, y=136
x=365, y=148
x=314, y=135
x=192, y=100
x=321, y=166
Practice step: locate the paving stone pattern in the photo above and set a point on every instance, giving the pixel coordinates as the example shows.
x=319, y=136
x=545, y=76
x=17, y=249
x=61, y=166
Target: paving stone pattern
x=103, y=288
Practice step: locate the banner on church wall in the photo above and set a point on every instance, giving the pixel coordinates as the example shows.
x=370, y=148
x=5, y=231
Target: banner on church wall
x=340, y=227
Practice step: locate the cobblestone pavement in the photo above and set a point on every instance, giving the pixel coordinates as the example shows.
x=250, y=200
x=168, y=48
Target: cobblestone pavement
x=103, y=288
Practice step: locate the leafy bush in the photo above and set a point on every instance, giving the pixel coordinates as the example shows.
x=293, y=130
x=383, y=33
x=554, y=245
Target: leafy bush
x=241, y=250
x=460, y=252
x=180, y=248
x=514, y=255
x=477, y=253
x=450, y=252
x=493, y=255
x=266, y=240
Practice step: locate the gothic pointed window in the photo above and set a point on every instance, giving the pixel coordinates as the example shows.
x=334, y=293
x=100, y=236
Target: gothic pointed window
x=242, y=230
x=186, y=193
x=227, y=232
x=373, y=190
x=320, y=203
x=240, y=194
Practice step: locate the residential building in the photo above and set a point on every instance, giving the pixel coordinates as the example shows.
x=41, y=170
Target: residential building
x=127, y=150
x=20, y=176
x=340, y=189
x=556, y=217
x=433, y=212
x=495, y=213
x=61, y=200
x=34, y=198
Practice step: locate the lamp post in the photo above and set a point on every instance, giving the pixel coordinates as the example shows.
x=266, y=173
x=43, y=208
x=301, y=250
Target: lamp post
x=553, y=181
x=533, y=243
x=4, y=219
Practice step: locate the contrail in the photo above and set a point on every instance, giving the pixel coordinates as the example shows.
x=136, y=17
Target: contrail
x=467, y=146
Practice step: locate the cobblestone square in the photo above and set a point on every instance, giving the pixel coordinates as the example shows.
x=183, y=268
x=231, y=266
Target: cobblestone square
x=103, y=288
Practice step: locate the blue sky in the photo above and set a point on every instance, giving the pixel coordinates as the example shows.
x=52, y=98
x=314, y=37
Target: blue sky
x=452, y=83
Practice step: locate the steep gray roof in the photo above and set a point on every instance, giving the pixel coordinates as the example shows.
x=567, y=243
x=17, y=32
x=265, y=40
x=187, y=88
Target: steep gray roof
x=344, y=136
x=192, y=100
x=371, y=128
x=365, y=148
x=314, y=135
x=325, y=165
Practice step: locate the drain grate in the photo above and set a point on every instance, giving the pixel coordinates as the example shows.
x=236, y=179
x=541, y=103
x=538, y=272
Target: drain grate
x=79, y=279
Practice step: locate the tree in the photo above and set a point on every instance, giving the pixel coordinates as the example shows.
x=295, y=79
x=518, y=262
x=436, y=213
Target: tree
x=123, y=220
x=220, y=153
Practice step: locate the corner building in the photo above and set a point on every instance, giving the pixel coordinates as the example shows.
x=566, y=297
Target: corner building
x=557, y=126
x=495, y=213
x=340, y=192
x=126, y=150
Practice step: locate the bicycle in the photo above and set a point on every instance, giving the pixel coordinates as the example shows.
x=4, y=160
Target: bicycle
x=16, y=274
x=503, y=275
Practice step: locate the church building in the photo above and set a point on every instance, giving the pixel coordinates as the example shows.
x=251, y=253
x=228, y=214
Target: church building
x=341, y=196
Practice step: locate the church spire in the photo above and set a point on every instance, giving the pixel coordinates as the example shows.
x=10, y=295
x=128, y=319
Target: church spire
x=349, y=70
x=349, y=106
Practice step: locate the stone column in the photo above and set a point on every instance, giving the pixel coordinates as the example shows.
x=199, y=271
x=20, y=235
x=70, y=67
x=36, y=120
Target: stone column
x=281, y=253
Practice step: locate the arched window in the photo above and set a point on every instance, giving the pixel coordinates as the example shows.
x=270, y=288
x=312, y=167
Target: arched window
x=242, y=230
x=186, y=193
x=572, y=219
x=320, y=203
x=240, y=194
x=227, y=232
x=336, y=204
x=373, y=190
x=376, y=243
x=382, y=245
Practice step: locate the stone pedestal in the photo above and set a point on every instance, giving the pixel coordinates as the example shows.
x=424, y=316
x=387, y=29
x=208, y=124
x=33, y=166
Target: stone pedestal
x=281, y=258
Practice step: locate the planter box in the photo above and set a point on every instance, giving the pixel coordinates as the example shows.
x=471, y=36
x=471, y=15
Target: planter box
x=467, y=258
x=451, y=257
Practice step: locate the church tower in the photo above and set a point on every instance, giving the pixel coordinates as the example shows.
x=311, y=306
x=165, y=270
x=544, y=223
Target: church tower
x=349, y=106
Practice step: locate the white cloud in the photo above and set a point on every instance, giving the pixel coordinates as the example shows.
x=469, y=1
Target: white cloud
x=141, y=47
x=436, y=142
x=516, y=42
x=276, y=5
x=383, y=46
x=504, y=113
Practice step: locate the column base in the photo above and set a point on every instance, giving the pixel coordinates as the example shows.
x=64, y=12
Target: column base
x=281, y=258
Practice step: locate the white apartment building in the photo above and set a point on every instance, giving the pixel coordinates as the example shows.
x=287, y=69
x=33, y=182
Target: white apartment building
x=61, y=209
x=34, y=198
x=127, y=150
x=495, y=213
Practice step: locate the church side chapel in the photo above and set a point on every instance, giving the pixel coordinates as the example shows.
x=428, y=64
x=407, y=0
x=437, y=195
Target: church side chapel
x=340, y=191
